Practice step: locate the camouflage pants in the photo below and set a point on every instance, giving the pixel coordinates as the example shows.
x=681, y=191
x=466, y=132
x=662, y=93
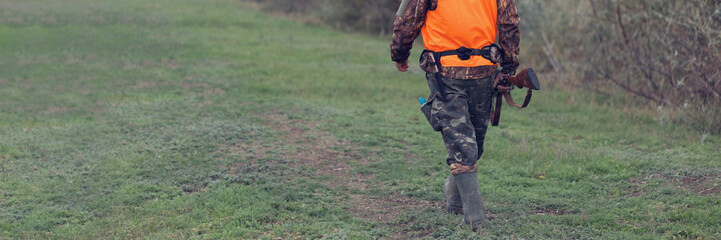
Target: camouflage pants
x=461, y=113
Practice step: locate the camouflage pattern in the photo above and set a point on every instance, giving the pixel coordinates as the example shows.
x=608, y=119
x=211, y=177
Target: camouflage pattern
x=408, y=27
x=461, y=113
x=509, y=36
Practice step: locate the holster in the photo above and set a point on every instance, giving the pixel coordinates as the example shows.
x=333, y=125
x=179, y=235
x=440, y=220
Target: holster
x=427, y=108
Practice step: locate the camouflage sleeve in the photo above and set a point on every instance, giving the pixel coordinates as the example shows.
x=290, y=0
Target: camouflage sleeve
x=407, y=28
x=509, y=36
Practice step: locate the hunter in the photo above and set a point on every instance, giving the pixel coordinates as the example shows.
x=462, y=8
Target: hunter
x=465, y=42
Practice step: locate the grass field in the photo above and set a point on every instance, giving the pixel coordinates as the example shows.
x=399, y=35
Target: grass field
x=180, y=119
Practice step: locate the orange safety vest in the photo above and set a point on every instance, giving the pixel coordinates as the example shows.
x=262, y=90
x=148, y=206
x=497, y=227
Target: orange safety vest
x=461, y=23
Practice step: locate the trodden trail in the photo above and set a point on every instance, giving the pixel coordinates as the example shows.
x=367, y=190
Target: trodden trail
x=333, y=157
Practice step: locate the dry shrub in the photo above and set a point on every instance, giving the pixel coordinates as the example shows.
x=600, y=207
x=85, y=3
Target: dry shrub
x=667, y=52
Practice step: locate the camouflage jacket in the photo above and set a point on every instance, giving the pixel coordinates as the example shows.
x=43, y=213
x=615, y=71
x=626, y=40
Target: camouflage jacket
x=408, y=27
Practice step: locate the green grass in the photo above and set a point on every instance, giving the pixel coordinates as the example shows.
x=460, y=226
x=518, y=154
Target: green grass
x=116, y=116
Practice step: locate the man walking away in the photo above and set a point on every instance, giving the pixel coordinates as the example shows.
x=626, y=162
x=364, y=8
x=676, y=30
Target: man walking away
x=461, y=62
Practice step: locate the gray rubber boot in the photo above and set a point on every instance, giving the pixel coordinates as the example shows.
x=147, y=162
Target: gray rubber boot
x=453, y=196
x=474, y=214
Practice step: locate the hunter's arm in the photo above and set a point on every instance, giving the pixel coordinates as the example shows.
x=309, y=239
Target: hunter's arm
x=509, y=36
x=407, y=28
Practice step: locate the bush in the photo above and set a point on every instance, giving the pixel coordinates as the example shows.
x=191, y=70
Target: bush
x=667, y=52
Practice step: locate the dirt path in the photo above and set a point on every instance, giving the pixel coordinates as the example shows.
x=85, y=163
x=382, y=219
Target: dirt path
x=329, y=156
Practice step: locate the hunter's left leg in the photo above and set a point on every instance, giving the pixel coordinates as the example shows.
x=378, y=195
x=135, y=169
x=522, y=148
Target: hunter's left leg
x=479, y=104
x=460, y=138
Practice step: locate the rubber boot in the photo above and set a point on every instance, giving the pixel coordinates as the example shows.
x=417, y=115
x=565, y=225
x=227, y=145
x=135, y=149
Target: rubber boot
x=474, y=214
x=453, y=196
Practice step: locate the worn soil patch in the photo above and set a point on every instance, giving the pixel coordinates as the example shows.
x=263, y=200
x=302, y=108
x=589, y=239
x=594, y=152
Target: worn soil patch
x=329, y=156
x=548, y=211
x=700, y=184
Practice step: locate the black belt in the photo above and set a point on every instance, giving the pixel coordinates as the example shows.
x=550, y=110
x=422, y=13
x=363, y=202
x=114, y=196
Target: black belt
x=493, y=53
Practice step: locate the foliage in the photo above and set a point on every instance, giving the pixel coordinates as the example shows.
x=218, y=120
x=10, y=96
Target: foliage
x=664, y=51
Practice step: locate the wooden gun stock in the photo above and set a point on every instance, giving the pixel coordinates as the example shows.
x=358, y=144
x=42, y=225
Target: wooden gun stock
x=526, y=78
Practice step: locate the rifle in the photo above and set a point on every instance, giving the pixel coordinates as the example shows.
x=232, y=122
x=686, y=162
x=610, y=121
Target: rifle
x=402, y=8
x=503, y=85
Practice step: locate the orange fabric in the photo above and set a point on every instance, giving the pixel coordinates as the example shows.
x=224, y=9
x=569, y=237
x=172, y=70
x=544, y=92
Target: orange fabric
x=461, y=23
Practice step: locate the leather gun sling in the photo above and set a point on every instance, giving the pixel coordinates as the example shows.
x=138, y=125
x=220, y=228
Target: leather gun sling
x=496, y=112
